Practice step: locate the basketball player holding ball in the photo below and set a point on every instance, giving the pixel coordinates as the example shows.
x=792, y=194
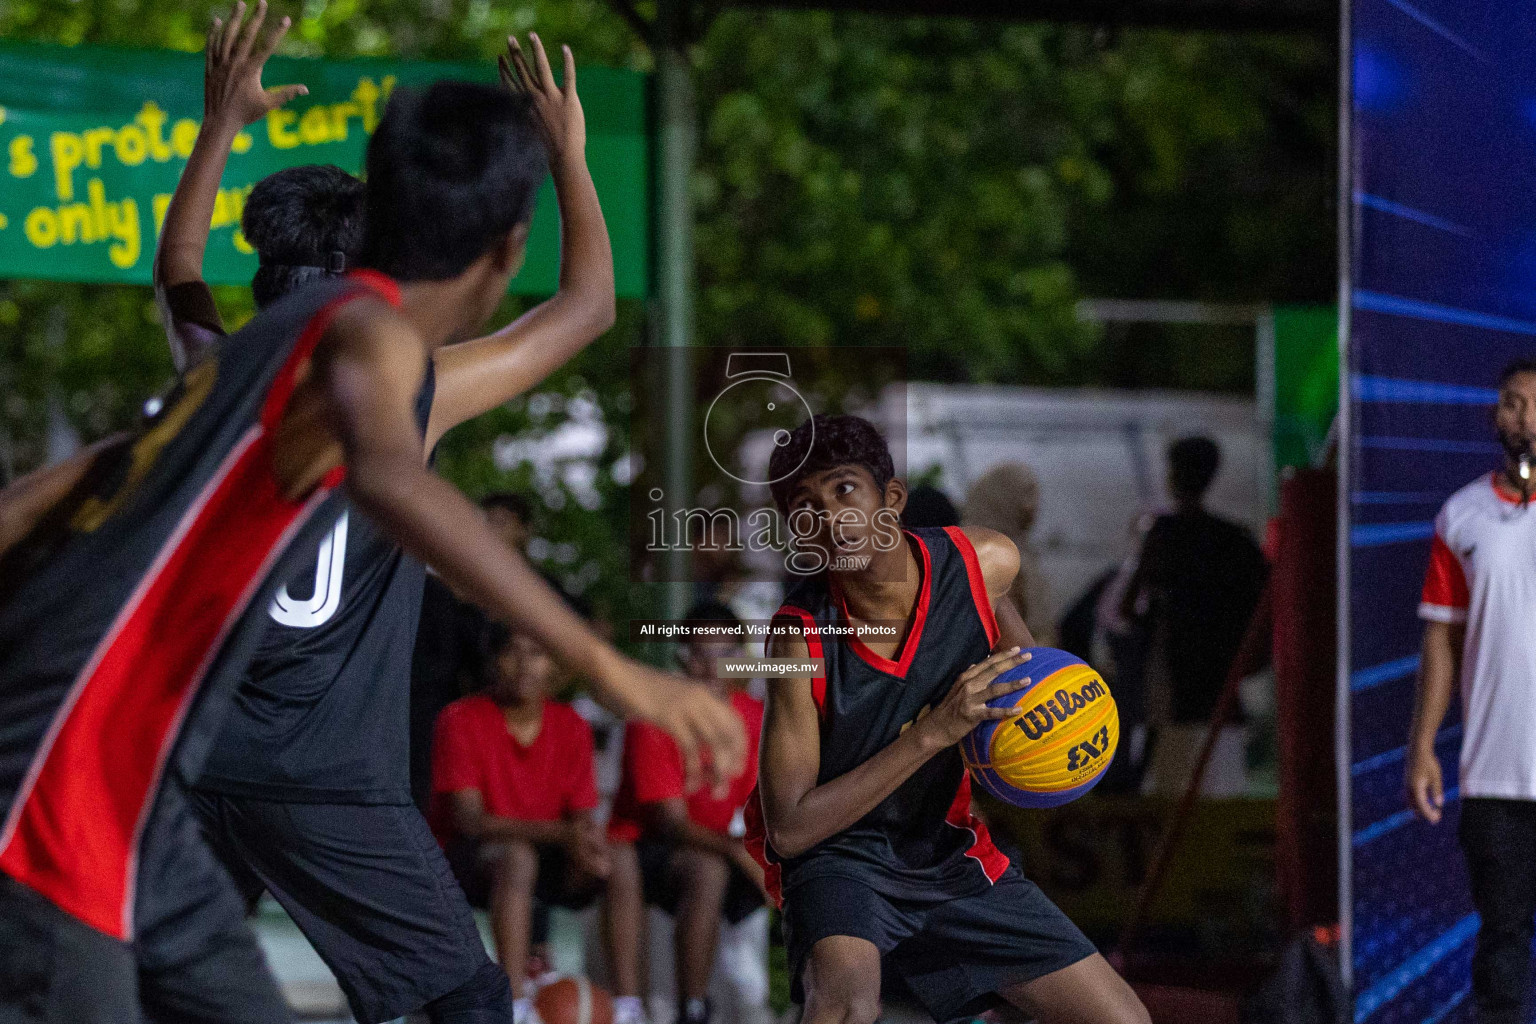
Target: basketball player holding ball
x=863, y=824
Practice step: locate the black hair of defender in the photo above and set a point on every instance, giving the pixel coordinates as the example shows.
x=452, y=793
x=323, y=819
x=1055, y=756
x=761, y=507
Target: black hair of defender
x=305, y=223
x=452, y=169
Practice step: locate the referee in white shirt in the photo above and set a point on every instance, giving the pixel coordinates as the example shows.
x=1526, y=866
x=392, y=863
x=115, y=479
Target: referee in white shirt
x=1479, y=612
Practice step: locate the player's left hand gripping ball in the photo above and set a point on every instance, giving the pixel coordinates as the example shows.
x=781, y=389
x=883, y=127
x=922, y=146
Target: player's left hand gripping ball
x=1059, y=741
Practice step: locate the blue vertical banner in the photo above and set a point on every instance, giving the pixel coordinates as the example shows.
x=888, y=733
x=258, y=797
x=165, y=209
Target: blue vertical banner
x=1440, y=174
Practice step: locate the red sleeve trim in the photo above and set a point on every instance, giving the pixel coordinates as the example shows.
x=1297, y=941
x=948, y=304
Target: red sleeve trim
x=813, y=648
x=1445, y=582
x=978, y=583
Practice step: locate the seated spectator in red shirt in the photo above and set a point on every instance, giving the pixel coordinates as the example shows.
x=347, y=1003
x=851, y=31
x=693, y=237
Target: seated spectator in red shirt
x=682, y=851
x=513, y=794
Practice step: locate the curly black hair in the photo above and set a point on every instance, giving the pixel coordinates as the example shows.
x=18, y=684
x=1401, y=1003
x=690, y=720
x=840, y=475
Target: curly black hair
x=823, y=442
x=304, y=223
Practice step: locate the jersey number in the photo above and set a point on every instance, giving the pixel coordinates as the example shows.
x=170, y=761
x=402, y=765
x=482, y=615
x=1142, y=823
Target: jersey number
x=318, y=608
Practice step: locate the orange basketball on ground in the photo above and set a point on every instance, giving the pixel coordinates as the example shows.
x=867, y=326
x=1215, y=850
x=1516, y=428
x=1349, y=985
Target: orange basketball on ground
x=573, y=1000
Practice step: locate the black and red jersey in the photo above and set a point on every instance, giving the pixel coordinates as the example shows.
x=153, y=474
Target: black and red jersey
x=921, y=842
x=323, y=713
x=134, y=619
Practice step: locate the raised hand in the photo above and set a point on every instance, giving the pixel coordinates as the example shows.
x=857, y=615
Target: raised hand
x=557, y=107
x=965, y=706
x=233, y=95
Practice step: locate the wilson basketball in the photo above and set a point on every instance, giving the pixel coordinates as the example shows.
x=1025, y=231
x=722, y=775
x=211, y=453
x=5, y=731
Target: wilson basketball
x=1058, y=742
x=573, y=1000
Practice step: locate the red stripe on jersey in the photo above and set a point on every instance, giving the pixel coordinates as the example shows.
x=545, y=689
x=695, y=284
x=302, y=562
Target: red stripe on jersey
x=387, y=287
x=756, y=842
x=978, y=583
x=813, y=649
x=75, y=824
x=992, y=860
x=914, y=635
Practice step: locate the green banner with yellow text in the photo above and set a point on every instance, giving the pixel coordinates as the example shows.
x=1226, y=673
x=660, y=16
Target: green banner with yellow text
x=93, y=140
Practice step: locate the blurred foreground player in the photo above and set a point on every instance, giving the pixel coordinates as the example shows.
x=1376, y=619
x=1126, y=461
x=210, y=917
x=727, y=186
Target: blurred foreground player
x=1479, y=611
x=865, y=826
x=678, y=850
x=514, y=795
x=122, y=608
x=306, y=794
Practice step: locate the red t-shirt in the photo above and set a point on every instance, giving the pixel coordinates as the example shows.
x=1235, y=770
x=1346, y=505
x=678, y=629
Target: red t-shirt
x=547, y=780
x=653, y=772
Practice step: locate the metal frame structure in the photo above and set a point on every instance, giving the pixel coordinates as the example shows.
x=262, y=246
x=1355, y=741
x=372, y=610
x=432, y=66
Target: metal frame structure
x=1345, y=435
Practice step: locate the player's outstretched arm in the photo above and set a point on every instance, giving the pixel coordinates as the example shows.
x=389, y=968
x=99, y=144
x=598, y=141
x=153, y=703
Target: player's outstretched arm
x=797, y=812
x=474, y=377
x=233, y=97
x=1437, y=682
x=367, y=371
x=999, y=558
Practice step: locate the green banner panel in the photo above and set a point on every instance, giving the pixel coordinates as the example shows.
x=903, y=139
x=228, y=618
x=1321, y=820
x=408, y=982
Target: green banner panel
x=93, y=140
x=1306, y=382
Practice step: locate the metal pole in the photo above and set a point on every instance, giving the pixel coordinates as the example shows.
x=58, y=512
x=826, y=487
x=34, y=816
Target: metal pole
x=677, y=142
x=1265, y=386
x=1251, y=654
x=1345, y=441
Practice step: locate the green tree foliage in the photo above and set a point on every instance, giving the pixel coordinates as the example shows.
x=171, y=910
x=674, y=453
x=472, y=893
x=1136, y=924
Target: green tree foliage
x=947, y=187
x=954, y=187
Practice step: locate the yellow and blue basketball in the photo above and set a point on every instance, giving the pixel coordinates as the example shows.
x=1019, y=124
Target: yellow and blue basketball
x=1059, y=741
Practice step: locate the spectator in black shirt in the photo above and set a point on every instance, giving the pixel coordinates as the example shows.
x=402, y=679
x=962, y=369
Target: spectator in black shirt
x=1194, y=588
